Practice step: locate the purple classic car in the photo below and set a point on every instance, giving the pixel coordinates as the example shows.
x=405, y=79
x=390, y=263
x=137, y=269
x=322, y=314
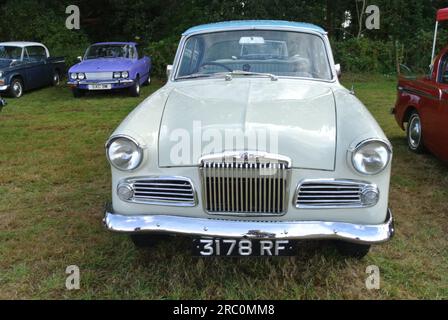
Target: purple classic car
x=108, y=66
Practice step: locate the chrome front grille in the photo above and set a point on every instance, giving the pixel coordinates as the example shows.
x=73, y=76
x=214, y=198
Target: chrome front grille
x=250, y=187
x=175, y=191
x=99, y=76
x=331, y=194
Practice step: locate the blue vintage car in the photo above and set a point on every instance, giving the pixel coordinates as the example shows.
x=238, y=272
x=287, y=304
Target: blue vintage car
x=109, y=66
x=27, y=65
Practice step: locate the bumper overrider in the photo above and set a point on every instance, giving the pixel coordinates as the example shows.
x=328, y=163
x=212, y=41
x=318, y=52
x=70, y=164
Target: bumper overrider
x=214, y=228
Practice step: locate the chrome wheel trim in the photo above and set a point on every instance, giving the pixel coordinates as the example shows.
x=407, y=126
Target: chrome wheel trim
x=17, y=88
x=137, y=87
x=56, y=78
x=415, y=132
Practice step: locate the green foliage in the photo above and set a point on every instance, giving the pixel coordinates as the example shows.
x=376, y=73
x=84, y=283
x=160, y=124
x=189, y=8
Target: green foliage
x=364, y=55
x=162, y=54
x=29, y=20
x=405, y=34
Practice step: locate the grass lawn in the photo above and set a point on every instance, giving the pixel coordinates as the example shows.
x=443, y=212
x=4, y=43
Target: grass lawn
x=54, y=181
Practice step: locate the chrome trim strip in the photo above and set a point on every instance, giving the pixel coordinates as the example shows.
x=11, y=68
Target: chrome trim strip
x=346, y=182
x=93, y=82
x=161, y=202
x=212, y=228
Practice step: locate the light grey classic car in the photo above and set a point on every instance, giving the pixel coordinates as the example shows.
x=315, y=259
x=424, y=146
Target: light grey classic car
x=251, y=145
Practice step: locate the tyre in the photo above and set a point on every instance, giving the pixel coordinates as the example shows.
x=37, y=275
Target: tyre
x=56, y=80
x=16, y=89
x=414, y=133
x=134, y=91
x=148, y=81
x=146, y=240
x=352, y=250
x=77, y=93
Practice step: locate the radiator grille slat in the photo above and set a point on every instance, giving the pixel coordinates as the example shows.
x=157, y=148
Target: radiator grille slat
x=318, y=194
x=164, y=190
x=251, y=188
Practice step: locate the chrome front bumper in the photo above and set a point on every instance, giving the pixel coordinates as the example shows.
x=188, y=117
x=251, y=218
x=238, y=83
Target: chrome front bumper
x=214, y=228
x=93, y=82
x=4, y=88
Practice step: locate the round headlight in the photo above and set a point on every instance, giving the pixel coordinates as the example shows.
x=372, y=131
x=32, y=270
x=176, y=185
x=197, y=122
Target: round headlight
x=124, y=154
x=74, y=76
x=371, y=157
x=117, y=75
x=81, y=76
x=125, y=74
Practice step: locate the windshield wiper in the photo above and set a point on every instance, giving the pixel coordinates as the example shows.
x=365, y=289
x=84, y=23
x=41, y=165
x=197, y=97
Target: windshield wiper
x=196, y=75
x=229, y=75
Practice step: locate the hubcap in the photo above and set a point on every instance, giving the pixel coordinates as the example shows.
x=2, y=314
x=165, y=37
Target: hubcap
x=17, y=87
x=415, y=132
x=56, y=79
x=137, y=88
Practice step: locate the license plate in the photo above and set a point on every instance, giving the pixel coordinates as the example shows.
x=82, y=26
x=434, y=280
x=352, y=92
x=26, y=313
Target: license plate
x=243, y=248
x=100, y=86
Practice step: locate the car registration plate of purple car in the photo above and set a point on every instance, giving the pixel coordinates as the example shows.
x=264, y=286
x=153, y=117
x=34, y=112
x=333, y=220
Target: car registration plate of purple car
x=100, y=86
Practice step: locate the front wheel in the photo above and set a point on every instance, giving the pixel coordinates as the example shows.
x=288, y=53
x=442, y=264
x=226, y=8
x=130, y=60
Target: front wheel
x=352, y=250
x=414, y=133
x=16, y=89
x=56, y=78
x=134, y=91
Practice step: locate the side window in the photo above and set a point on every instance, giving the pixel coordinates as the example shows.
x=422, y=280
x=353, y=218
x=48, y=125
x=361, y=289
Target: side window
x=444, y=70
x=191, y=57
x=36, y=53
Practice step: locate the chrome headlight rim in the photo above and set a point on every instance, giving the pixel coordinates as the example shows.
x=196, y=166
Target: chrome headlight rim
x=131, y=139
x=81, y=76
x=362, y=144
x=73, y=75
x=116, y=75
x=125, y=74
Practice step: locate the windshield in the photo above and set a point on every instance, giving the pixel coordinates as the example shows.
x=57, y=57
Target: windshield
x=109, y=51
x=280, y=53
x=10, y=53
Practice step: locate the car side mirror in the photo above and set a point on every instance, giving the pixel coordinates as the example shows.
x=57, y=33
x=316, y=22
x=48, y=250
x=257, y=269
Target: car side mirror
x=169, y=69
x=338, y=70
x=79, y=58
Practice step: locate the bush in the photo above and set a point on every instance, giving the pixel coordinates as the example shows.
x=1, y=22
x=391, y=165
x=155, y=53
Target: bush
x=41, y=24
x=364, y=55
x=162, y=54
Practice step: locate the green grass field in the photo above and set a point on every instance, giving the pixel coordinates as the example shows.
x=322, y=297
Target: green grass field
x=54, y=181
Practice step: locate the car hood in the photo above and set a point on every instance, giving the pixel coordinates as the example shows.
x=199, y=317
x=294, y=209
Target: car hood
x=100, y=65
x=297, y=119
x=4, y=65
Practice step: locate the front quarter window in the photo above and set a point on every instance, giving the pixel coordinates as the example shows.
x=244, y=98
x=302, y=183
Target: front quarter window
x=280, y=53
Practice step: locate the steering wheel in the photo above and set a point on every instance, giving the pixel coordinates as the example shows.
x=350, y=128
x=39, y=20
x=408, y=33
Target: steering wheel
x=216, y=64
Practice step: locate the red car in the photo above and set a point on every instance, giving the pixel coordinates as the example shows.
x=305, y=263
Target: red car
x=422, y=104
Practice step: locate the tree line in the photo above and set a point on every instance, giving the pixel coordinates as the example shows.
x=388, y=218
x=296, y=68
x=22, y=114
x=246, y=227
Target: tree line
x=404, y=35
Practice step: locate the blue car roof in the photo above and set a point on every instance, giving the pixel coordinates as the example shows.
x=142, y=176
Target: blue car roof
x=253, y=24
